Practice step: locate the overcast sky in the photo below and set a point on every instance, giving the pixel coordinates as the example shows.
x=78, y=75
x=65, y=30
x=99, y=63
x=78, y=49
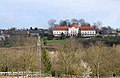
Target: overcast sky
x=36, y=13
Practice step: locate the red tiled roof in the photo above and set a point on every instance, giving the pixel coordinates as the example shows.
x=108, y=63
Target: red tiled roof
x=74, y=25
x=86, y=28
x=61, y=28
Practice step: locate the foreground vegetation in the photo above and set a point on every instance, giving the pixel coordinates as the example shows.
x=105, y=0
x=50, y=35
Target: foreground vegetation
x=15, y=77
x=69, y=59
x=22, y=77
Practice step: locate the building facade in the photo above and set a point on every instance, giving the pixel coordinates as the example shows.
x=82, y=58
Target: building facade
x=87, y=31
x=74, y=30
x=58, y=30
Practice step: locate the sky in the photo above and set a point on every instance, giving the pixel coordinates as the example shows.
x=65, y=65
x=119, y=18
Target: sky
x=37, y=13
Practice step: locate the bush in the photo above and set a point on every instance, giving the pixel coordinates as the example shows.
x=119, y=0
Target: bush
x=50, y=37
x=62, y=36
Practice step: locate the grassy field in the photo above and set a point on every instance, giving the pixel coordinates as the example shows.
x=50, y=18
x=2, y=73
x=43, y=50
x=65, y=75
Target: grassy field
x=52, y=42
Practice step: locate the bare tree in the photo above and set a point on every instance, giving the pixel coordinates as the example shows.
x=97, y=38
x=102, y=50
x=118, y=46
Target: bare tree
x=64, y=22
x=98, y=57
x=115, y=63
x=69, y=58
x=82, y=22
x=74, y=21
x=51, y=22
x=98, y=25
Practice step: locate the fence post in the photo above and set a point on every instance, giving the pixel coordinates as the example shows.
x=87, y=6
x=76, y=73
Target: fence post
x=39, y=45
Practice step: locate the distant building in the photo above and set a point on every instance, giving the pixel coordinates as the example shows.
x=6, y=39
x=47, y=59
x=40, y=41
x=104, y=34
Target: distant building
x=74, y=30
x=22, y=32
x=38, y=32
x=58, y=30
x=87, y=31
x=118, y=32
x=3, y=36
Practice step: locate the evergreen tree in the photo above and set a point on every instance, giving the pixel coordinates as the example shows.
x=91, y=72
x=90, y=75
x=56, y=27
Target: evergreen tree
x=62, y=36
x=46, y=62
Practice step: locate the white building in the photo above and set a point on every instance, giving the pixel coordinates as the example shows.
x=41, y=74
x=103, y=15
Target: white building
x=73, y=30
x=57, y=31
x=87, y=31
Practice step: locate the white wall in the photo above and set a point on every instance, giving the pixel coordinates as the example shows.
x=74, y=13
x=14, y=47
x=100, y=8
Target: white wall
x=73, y=31
x=58, y=32
x=86, y=33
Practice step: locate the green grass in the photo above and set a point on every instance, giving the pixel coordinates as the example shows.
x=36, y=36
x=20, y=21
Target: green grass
x=52, y=42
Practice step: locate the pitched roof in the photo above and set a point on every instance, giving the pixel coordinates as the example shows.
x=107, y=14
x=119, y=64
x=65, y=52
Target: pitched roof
x=60, y=28
x=74, y=25
x=86, y=28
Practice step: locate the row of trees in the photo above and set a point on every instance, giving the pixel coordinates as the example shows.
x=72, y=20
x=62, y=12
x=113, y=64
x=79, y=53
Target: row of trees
x=19, y=59
x=52, y=23
x=81, y=22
